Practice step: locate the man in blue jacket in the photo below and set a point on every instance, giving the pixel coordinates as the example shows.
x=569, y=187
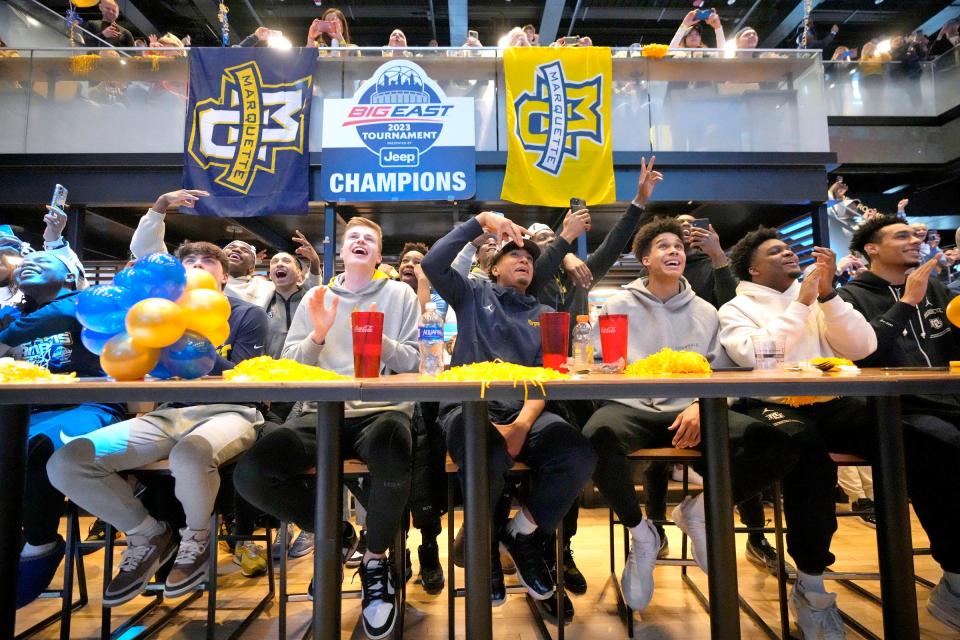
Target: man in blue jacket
x=48, y=334
x=498, y=319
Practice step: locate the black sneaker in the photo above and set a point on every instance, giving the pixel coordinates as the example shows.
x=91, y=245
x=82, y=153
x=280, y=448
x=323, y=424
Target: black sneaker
x=350, y=541
x=498, y=591
x=97, y=533
x=379, y=598
x=762, y=554
x=142, y=558
x=431, y=572
x=354, y=560
x=549, y=609
x=840, y=496
x=867, y=516
x=527, y=553
x=407, y=566
x=573, y=580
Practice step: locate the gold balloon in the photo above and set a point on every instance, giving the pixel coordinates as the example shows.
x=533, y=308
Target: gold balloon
x=200, y=279
x=204, y=310
x=953, y=311
x=155, y=322
x=125, y=359
x=84, y=4
x=218, y=335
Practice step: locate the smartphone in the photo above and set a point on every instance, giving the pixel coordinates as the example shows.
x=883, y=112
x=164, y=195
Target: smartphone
x=701, y=223
x=571, y=41
x=839, y=179
x=703, y=14
x=326, y=26
x=576, y=204
x=59, y=198
x=473, y=34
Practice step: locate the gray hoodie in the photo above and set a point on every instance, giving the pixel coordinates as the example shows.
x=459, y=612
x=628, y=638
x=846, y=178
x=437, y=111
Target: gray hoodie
x=400, y=354
x=682, y=323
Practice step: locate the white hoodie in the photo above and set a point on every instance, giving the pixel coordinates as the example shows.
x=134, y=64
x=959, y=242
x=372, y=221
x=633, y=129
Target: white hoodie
x=822, y=330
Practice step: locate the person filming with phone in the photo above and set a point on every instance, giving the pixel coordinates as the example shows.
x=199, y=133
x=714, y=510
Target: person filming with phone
x=107, y=29
x=330, y=30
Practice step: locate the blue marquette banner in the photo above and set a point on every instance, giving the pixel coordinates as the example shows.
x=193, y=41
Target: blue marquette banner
x=558, y=122
x=246, y=135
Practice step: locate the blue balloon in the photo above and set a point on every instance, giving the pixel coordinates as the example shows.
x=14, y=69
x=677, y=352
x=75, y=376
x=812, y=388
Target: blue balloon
x=94, y=341
x=160, y=372
x=103, y=308
x=192, y=356
x=135, y=285
x=160, y=275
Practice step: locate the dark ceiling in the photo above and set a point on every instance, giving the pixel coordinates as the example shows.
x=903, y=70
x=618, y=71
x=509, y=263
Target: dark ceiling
x=608, y=22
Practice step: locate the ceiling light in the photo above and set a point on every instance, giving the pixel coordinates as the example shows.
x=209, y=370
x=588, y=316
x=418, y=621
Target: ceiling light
x=33, y=22
x=277, y=41
x=896, y=189
x=731, y=1
x=877, y=1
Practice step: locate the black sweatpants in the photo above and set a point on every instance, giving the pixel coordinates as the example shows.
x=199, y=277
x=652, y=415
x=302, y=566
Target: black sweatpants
x=271, y=474
x=759, y=454
x=560, y=459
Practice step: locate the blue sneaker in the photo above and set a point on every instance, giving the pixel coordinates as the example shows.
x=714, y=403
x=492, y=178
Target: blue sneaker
x=35, y=573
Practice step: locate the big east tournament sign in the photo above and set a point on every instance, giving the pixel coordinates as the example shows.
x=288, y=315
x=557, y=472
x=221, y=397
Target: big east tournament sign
x=399, y=138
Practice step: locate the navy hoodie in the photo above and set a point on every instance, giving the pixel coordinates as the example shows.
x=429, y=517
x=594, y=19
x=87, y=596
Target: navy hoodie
x=492, y=321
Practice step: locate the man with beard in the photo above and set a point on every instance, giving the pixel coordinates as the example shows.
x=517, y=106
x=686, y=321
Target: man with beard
x=907, y=311
x=242, y=283
x=290, y=283
x=813, y=323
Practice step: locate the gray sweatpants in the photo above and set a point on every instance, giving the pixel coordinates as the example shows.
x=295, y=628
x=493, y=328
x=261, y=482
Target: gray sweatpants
x=195, y=439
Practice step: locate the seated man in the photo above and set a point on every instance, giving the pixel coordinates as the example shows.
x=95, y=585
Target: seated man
x=665, y=312
x=497, y=319
x=48, y=334
x=196, y=439
x=271, y=475
x=907, y=314
x=814, y=323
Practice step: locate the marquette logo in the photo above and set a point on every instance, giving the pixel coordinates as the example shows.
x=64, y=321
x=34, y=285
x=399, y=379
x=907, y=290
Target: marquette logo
x=558, y=116
x=244, y=129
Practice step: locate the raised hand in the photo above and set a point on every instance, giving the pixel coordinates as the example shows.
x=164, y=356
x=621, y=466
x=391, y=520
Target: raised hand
x=501, y=226
x=56, y=221
x=306, y=249
x=179, y=198
x=648, y=181
x=916, y=286
x=321, y=316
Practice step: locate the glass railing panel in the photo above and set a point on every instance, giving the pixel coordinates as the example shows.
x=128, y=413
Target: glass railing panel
x=15, y=95
x=761, y=101
x=874, y=89
x=86, y=103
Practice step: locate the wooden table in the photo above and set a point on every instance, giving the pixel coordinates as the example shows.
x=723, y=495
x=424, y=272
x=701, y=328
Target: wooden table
x=883, y=387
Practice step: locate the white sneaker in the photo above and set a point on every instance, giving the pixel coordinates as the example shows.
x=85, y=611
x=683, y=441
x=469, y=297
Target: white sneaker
x=944, y=605
x=816, y=614
x=692, y=476
x=691, y=519
x=637, y=577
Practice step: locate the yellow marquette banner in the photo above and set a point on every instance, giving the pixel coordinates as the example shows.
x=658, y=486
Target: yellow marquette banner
x=558, y=126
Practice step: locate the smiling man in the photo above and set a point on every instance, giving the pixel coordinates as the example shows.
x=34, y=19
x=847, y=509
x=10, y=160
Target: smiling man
x=664, y=311
x=498, y=319
x=813, y=323
x=906, y=309
x=196, y=439
x=48, y=335
x=270, y=475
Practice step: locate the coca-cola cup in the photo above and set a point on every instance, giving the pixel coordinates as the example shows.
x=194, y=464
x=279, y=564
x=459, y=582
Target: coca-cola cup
x=555, y=339
x=613, y=340
x=367, y=341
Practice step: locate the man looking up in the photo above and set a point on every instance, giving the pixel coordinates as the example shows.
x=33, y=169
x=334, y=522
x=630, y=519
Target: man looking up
x=48, y=335
x=813, y=323
x=270, y=475
x=906, y=309
x=665, y=312
x=497, y=319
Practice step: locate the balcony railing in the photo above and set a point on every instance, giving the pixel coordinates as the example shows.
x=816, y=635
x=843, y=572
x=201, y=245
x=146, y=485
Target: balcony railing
x=55, y=101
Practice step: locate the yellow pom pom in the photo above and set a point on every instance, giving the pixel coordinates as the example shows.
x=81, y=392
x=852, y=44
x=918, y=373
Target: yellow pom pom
x=19, y=371
x=267, y=369
x=669, y=361
x=499, y=371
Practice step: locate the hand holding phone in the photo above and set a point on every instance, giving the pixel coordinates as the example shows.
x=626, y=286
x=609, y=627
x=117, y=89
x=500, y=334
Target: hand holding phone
x=473, y=34
x=701, y=223
x=577, y=204
x=571, y=41
x=703, y=14
x=59, y=198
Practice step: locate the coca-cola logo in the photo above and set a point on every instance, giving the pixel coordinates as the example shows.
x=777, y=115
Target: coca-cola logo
x=608, y=330
x=363, y=328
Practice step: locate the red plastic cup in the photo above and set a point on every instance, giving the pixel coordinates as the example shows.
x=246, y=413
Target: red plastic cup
x=367, y=342
x=555, y=339
x=613, y=338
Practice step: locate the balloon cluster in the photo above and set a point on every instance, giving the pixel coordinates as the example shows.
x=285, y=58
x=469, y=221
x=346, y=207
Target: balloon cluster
x=156, y=318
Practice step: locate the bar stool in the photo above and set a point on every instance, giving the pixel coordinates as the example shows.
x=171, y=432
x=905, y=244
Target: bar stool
x=352, y=468
x=453, y=592
x=161, y=469
x=73, y=562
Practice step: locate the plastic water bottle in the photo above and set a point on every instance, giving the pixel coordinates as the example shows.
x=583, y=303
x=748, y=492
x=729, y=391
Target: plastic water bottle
x=431, y=341
x=582, y=345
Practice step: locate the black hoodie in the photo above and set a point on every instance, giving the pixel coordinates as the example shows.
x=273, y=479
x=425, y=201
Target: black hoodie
x=907, y=336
